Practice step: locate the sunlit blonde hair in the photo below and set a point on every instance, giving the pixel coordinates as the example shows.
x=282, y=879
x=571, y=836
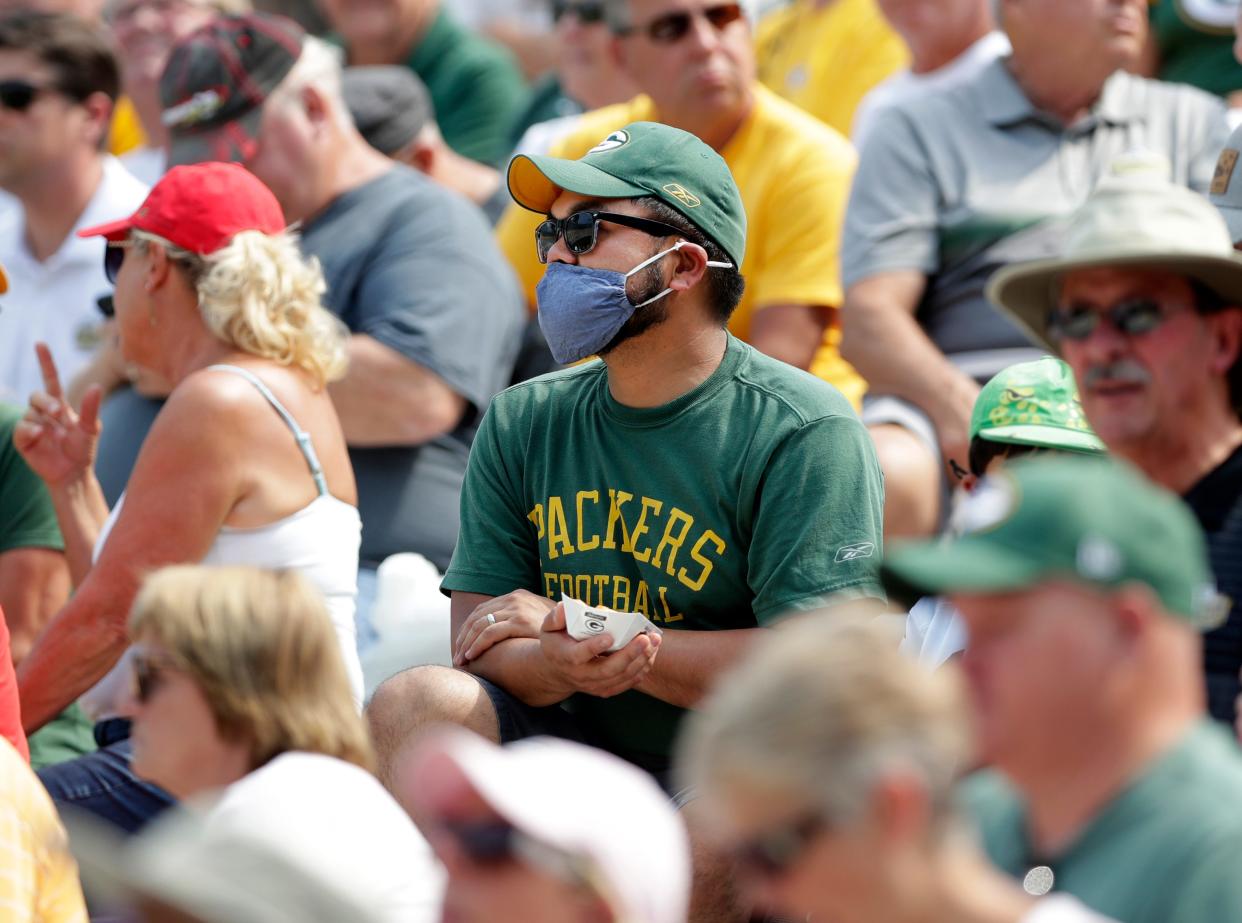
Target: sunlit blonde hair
x=821, y=710
x=259, y=294
x=261, y=647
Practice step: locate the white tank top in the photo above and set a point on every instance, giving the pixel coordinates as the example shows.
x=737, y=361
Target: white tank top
x=320, y=541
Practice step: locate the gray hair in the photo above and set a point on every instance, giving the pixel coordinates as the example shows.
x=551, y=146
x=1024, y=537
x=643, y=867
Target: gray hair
x=825, y=708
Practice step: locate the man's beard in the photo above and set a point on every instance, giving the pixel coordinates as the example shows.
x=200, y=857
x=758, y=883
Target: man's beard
x=650, y=284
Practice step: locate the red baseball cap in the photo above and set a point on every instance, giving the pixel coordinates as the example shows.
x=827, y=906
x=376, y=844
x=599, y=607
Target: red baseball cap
x=200, y=207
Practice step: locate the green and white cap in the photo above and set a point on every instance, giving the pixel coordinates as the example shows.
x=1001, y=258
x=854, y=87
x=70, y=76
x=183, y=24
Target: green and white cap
x=1034, y=403
x=643, y=159
x=1095, y=521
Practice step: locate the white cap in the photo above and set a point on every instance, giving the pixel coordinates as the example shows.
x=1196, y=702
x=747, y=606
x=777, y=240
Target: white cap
x=579, y=800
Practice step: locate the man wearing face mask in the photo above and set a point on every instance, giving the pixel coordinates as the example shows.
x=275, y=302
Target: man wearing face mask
x=683, y=475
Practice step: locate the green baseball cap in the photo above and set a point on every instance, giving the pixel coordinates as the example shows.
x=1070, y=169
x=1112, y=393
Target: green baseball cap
x=1095, y=521
x=643, y=159
x=1034, y=403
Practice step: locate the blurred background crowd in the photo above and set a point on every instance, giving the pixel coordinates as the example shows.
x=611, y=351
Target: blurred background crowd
x=265, y=267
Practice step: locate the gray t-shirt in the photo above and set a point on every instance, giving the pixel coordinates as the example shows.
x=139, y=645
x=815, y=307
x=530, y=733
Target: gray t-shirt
x=960, y=182
x=414, y=266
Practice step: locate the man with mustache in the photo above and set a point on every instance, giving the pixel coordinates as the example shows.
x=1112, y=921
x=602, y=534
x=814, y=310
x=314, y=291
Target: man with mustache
x=958, y=183
x=1144, y=306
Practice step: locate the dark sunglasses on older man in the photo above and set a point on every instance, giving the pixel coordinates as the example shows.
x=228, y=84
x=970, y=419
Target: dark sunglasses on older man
x=588, y=13
x=672, y=27
x=581, y=231
x=1133, y=317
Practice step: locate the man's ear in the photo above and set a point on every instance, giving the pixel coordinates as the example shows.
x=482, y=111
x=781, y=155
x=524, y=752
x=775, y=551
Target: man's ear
x=620, y=57
x=420, y=155
x=316, y=108
x=690, y=267
x=98, y=121
x=1226, y=327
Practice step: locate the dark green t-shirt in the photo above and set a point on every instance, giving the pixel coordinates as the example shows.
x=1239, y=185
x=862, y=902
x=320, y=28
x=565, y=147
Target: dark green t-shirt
x=1195, y=41
x=476, y=88
x=27, y=519
x=1166, y=850
x=756, y=493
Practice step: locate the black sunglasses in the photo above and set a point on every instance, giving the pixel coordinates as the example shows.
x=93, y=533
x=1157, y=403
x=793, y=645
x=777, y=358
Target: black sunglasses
x=1133, y=317
x=672, y=27
x=148, y=677
x=581, y=230
x=18, y=95
x=588, y=13
x=114, y=256
x=775, y=851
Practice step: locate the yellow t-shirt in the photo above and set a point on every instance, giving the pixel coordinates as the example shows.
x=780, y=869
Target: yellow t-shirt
x=794, y=175
x=127, y=132
x=826, y=58
x=39, y=883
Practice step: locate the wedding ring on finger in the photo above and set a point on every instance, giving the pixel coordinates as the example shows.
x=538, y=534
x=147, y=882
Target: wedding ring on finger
x=491, y=618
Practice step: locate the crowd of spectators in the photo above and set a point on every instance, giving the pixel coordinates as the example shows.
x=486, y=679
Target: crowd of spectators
x=806, y=432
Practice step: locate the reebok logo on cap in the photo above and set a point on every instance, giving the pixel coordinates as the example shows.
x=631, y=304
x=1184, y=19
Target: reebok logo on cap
x=679, y=192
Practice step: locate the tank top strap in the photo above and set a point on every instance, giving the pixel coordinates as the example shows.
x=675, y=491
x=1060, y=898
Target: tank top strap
x=302, y=437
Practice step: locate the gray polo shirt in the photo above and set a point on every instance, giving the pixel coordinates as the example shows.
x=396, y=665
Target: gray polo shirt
x=959, y=183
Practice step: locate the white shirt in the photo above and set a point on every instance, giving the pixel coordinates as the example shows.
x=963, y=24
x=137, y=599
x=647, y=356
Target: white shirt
x=934, y=632
x=904, y=85
x=337, y=823
x=1062, y=908
x=55, y=301
x=148, y=164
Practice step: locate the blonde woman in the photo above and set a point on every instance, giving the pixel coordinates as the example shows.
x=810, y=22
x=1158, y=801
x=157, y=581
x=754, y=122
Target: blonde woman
x=245, y=463
x=241, y=708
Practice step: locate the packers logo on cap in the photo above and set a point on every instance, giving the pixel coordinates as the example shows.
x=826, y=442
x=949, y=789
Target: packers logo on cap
x=679, y=192
x=618, y=138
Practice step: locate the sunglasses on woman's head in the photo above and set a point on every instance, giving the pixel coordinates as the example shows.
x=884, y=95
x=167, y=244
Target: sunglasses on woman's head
x=672, y=27
x=581, y=231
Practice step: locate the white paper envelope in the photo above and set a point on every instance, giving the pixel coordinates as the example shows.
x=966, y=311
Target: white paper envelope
x=583, y=622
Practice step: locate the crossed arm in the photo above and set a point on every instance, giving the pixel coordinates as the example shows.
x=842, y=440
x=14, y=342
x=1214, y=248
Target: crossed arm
x=541, y=665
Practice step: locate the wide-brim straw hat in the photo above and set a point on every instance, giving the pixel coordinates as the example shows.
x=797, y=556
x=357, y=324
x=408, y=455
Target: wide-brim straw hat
x=1136, y=218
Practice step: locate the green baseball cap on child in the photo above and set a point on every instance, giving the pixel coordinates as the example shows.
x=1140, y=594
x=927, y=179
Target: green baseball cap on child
x=1095, y=521
x=643, y=159
x=1034, y=403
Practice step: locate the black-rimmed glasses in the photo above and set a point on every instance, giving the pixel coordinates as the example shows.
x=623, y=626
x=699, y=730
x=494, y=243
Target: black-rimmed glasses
x=581, y=230
x=672, y=27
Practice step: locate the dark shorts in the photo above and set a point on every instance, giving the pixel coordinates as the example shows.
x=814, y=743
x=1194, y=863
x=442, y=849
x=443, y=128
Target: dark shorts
x=518, y=721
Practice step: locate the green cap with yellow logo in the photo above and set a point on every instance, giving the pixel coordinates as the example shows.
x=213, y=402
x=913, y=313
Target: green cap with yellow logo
x=1034, y=403
x=1095, y=521
x=643, y=159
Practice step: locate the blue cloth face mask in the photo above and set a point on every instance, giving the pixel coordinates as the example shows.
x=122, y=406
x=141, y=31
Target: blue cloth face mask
x=581, y=309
